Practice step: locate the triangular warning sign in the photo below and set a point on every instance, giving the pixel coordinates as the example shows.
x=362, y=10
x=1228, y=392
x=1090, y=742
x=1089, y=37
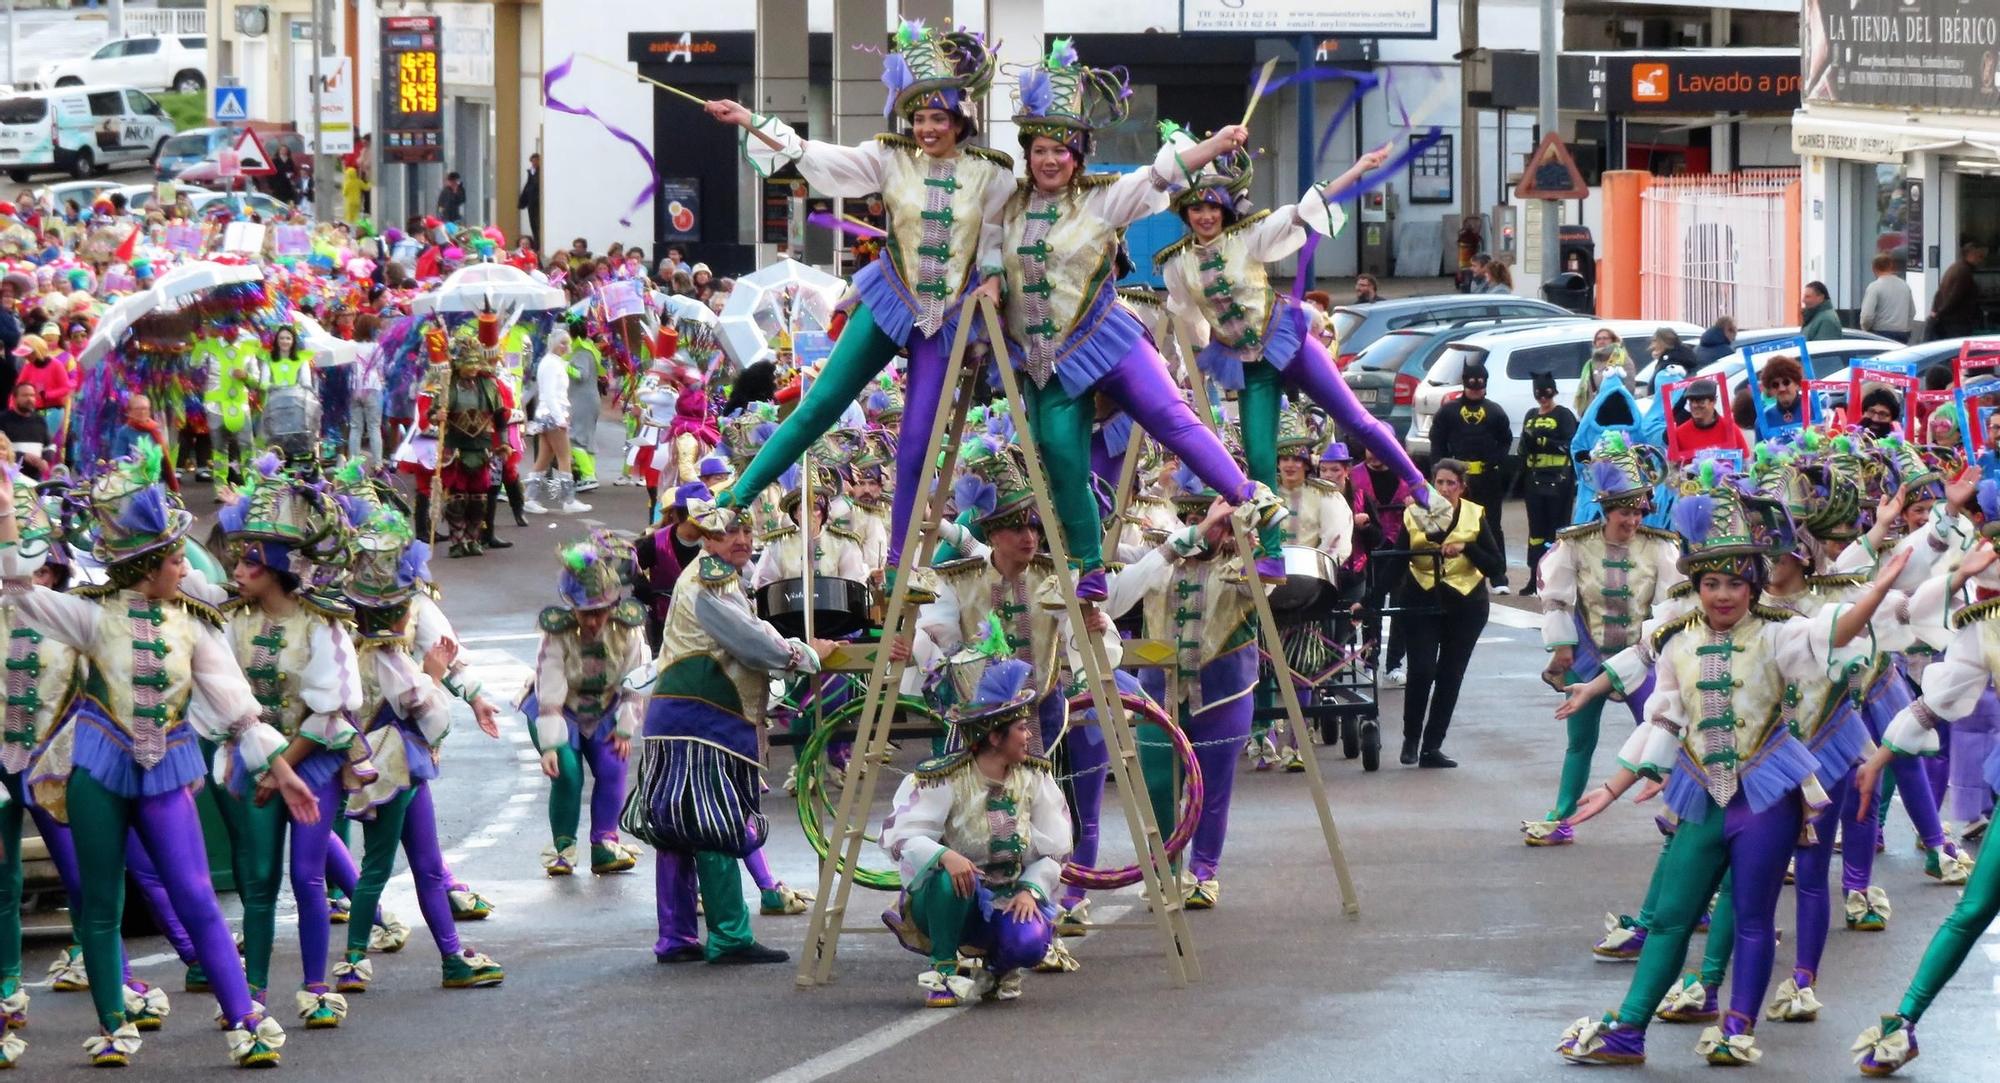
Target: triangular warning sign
x=1551, y=173
x=250, y=156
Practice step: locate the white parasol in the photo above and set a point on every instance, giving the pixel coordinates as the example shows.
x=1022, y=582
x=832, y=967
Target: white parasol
x=676, y=307
x=169, y=292
x=788, y=297
x=507, y=289
x=327, y=351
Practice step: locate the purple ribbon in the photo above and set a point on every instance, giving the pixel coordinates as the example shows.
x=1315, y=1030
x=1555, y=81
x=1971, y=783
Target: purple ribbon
x=557, y=74
x=828, y=220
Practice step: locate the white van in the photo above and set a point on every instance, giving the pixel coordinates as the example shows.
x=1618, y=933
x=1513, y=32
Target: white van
x=79, y=130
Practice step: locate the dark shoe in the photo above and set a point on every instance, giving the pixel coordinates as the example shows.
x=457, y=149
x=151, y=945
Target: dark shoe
x=1436, y=759
x=494, y=541
x=686, y=953
x=1409, y=756
x=750, y=955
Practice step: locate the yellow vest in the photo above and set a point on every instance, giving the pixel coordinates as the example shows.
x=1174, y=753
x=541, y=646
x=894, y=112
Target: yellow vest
x=1459, y=573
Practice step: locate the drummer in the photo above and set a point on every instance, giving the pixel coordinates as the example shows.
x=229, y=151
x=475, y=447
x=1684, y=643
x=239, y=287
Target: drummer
x=836, y=550
x=869, y=518
x=1195, y=592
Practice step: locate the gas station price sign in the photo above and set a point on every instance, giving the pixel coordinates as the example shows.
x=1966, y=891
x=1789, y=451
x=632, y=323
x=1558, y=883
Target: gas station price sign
x=412, y=89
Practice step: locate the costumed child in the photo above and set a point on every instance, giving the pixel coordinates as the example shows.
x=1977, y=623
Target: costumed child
x=578, y=706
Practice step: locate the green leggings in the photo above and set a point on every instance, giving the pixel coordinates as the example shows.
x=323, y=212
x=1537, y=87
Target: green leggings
x=1691, y=867
x=565, y=793
x=1584, y=727
x=1062, y=435
x=1955, y=939
x=10, y=878
x=1257, y=407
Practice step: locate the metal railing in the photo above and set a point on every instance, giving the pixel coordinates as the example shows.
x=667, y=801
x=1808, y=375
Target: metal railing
x=1715, y=246
x=166, y=21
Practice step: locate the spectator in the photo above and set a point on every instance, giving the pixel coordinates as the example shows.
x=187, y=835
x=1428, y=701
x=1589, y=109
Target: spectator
x=50, y=378
x=579, y=250
x=1365, y=290
x=364, y=431
x=353, y=193
x=683, y=284
x=140, y=426
x=1551, y=482
x=1705, y=427
x=1448, y=604
x=1607, y=355
x=675, y=261
x=1955, y=307
x=1817, y=319
x=704, y=281
x=1887, y=307
x=451, y=198
x=531, y=195
x=524, y=256
x=22, y=425
x=1783, y=382
x=283, y=183
x=1480, y=280
x=1499, y=278
x=1718, y=342
x=1943, y=427
x=1475, y=430
x=1673, y=360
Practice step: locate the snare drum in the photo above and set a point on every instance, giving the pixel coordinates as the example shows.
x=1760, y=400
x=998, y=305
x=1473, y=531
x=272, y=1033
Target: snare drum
x=1311, y=589
x=840, y=606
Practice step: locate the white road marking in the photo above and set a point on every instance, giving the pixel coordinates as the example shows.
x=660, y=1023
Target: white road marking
x=510, y=637
x=1509, y=617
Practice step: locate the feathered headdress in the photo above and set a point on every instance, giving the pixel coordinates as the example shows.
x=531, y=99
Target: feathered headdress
x=591, y=577
x=1060, y=99
x=1224, y=182
x=135, y=514
x=928, y=69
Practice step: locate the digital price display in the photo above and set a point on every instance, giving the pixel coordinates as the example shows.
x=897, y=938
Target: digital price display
x=412, y=89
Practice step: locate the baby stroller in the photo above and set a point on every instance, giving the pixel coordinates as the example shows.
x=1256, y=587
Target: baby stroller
x=290, y=422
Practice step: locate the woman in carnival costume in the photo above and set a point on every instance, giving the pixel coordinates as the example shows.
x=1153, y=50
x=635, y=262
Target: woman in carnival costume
x=297, y=650
x=944, y=199
x=697, y=797
x=160, y=672
x=1194, y=590
x=1248, y=337
x=980, y=835
x=1063, y=250
x=405, y=714
x=1952, y=688
x=1736, y=778
x=578, y=705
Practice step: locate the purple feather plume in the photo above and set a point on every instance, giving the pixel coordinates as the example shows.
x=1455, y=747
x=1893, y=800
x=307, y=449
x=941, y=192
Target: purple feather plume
x=269, y=463
x=972, y=492
x=764, y=431
x=1002, y=681
x=1036, y=93
x=1187, y=480
x=231, y=516
x=415, y=565
x=1694, y=517
x=896, y=76
x=1607, y=476
x=146, y=512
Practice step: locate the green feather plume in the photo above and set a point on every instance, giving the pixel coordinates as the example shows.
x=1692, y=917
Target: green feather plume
x=995, y=644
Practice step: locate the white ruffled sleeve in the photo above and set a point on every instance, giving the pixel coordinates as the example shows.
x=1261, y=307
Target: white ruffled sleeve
x=330, y=685
x=223, y=708
x=1930, y=612
x=631, y=708
x=1935, y=548
x=913, y=832
x=1277, y=235
x=1804, y=650
x=991, y=257
x=1137, y=194
x=1558, y=590
x=551, y=694
x=1952, y=686
x=1050, y=837
x=1652, y=748
x=412, y=694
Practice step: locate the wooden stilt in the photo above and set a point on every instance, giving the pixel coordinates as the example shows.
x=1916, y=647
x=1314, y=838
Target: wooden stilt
x=1267, y=631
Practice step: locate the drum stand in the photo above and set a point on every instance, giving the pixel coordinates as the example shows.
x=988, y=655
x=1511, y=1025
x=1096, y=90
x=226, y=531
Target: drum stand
x=1274, y=648
x=870, y=758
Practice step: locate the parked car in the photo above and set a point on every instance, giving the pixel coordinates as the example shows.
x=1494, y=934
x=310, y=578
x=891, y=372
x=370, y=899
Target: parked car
x=1827, y=356
x=166, y=62
x=1512, y=356
x=140, y=196
x=1355, y=326
x=197, y=145
x=1921, y=357
x=264, y=206
x=79, y=130
x=1384, y=375
x=1760, y=336
x=85, y=192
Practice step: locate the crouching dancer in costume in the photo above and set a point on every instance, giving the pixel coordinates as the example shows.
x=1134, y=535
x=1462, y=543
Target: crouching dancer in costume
x=160, y=673
x=980, y=835
x=697, y=798
x=581, y=711
x=1718, y=732
x=405, y=714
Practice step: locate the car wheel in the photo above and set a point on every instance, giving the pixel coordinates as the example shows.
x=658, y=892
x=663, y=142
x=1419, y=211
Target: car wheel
x=18, y=176
x=189, y=82
x=83, y=165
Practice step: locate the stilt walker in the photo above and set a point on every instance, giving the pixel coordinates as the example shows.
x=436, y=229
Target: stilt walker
x=944, y=199
x=579, y=708
x=160, y=673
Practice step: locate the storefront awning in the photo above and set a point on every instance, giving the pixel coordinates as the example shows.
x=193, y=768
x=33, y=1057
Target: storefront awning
x=1864, y=141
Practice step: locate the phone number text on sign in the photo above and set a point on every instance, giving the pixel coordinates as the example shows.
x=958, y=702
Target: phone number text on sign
x=1373, y=18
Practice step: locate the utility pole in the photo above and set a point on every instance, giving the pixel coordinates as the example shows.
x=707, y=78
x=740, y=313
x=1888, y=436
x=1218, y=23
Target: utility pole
x=323, y=182
x=13, y=35
x=117, y=19
x=1551, y=52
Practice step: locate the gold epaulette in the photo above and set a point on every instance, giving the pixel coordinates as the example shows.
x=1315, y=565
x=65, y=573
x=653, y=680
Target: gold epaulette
x=331, y=608
x=1667, y=536
x=202, y=611
x=629, y=613
x=1580, y=530
x=1161, y=257
x=556, y=619
x=939, y=768
x=961, y=566
x=1976, y=612
x=1836, y=582
x=1765, y=612
x=1003, y=160
x=1672, y=628
x=1325, y=486
x=715, y=574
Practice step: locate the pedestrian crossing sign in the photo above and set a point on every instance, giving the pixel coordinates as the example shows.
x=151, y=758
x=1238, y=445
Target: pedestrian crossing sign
x=232, y=104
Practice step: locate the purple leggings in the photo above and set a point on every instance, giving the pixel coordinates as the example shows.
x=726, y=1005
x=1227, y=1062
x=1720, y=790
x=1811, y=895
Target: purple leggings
x=930, y=355
x=1312, y=371
x=411, y=819
x=760, y=871
x=1141, y=387
x=62, y=853
x=1087, y=760
x=1972, y=740
x=1217, y=732
x=1809, y=875
x=1857, y=839
x=170, y=830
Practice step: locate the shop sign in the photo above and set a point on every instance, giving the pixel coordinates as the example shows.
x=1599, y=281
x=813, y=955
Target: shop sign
x=1919, y=54
x=1701, y=83
x=1377, y=19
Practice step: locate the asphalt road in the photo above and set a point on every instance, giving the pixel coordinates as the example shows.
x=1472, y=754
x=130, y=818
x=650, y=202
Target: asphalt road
x=1468, y=959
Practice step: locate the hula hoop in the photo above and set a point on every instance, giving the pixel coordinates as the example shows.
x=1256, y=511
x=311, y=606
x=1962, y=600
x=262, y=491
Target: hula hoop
x=1106, y=879
x=812, y=786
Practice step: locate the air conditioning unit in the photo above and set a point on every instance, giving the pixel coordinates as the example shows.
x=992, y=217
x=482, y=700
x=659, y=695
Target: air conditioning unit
x=253, y=20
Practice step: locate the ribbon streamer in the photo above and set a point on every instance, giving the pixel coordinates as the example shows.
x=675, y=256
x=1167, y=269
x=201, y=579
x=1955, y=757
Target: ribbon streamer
x=840, y=223
x=1363, y=83
x=557, y=74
